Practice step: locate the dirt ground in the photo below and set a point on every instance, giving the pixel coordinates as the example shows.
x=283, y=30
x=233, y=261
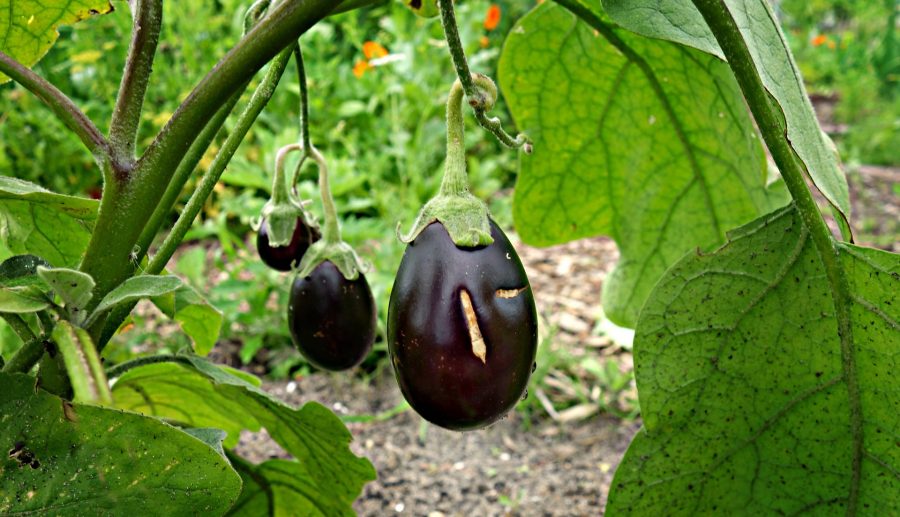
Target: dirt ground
x=560, y=466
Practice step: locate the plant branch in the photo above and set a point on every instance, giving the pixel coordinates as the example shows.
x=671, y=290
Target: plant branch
x=26, y=357
x=259, y=100
x=726, y=31
x=126, y=117
x=476, y=99
x=128, y=203
x=121, y=368
x=19, y=326
x=304, y=98
x=182, y=174
x=63, y=107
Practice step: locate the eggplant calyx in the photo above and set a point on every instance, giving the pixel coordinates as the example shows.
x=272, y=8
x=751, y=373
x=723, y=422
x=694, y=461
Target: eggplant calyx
x=465, y=217
x=281, y=219
x=339, y=253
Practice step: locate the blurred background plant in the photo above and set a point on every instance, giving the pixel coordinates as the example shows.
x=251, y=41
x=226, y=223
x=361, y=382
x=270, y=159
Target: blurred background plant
x=378, y=82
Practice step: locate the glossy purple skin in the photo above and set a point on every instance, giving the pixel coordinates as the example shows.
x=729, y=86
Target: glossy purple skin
x=283, y=258
x=429, y=339
x=332, y=320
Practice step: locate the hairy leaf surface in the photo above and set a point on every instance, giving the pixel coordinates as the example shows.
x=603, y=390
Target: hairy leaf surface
x=70, y=459
x=743, y=382
x=679, y=21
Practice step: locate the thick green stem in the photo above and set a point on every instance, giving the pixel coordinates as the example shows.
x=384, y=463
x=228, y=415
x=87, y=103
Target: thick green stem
x=455, y=181
x=134, y=197
x=126, y=117
x=331, y=230
x=19, y=326
x=259, y=100
x=61, y=106
x=121, y=368
x=26, y=357
x=726, y=31
x=182, y=174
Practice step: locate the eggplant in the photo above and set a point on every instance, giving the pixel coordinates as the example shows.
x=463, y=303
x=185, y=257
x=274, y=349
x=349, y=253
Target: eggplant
x=332, y=320
x=462, y=329
x=283, y=258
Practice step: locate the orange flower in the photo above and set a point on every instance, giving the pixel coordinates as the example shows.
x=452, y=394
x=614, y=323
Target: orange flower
x=819, y=40
x=372, y=49
x=360, y=67
x=484, y=41
x=492, y=20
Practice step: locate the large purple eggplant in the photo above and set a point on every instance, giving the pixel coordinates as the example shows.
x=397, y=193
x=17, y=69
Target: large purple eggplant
x=462, y=329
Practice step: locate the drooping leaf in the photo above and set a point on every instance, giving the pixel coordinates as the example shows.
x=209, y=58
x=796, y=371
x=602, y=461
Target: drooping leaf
x=200, y=320
x=19, y=300
x=21, y=271
x=209, y=436
x=285, y=486
x=135, y=288
x=204, y=395
x=74, y=287
x=679, y=21
x=67, y=459
x=82, y=362
x=747, y=390
x=28, y=28
x=35, y=221
x=643, y=140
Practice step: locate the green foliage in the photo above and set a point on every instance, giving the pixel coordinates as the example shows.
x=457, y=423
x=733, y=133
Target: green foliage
x=745, y=383
x=327, y=478
x=29, y=27
x=53, y=226
x=70, y=459
x=657, y=150
x=681, y=22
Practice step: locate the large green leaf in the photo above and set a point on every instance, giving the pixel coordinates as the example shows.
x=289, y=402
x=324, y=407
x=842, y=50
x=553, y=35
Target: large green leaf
x=679, y=21
x=201, y=394
x=643, y=140
x=28, y=28
x=67, y=459
x=52, y=226
x=743, y=382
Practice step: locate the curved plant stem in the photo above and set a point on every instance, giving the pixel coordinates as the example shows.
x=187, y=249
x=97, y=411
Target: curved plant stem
x=455, y=181
x=259, y=100
x=280, y=193
x=476, y=99
x=63, y=107
x=128, y=203
x=331, y=229
x=126, y=117
x=723, y=26
x=121, y=368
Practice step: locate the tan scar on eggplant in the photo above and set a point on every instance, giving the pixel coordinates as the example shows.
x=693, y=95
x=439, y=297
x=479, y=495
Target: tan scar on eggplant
x=510, y=293
x=479, y=347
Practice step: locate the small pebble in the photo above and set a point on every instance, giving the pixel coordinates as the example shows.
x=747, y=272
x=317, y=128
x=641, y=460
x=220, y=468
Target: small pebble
x=399, y=507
